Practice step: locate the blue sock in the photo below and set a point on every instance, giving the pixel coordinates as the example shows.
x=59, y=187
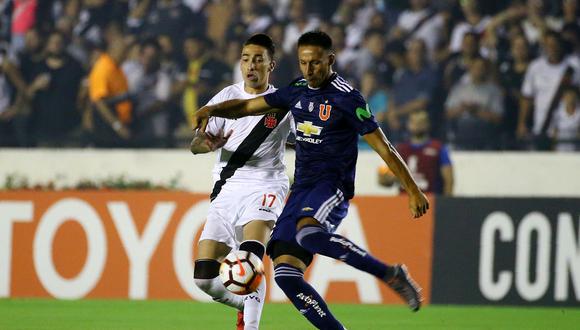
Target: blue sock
x=318, y=241
x=291, y=280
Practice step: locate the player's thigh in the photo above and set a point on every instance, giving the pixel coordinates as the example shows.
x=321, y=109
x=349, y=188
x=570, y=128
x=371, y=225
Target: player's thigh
x=218, y=235
x=261, y=207
x=258, y=230
x=210, y=249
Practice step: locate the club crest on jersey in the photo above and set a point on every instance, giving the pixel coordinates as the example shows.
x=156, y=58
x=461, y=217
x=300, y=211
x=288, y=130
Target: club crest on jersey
x=311, y=106
x=324, y=112
x=270, y=120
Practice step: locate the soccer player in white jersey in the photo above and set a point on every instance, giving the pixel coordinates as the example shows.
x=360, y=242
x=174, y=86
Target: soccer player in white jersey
x=250, y=183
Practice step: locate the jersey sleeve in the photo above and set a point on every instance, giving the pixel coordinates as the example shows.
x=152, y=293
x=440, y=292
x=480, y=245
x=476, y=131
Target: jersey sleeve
x=358, y=113
x=215, y=124
x=444, y=158
x=281, y=98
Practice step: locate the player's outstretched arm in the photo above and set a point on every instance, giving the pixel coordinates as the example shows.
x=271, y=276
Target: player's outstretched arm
x=231, y=109
x=418, y=202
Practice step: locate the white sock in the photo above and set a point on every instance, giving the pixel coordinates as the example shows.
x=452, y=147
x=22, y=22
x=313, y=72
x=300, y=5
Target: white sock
x=216, y=289
x=253, y=305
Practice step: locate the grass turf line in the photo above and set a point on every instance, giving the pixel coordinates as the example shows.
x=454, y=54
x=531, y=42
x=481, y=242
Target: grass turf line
x=124, y=314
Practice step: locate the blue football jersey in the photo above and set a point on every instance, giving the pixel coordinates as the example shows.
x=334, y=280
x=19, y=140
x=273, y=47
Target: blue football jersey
x=328, y=121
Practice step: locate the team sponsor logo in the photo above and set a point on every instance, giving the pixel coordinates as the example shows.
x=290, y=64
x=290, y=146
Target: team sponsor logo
x=270, y=120
x=363, y=113
x=265, y=209
x=252, y=297
x=311, y=303
x=298, y=105
x=348, y=245
x=308, y=130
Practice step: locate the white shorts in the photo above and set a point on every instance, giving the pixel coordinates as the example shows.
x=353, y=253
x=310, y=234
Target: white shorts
x=236, y=205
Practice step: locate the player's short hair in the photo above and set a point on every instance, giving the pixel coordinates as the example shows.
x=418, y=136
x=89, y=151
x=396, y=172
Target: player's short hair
x=262, y=40
x=316, y=38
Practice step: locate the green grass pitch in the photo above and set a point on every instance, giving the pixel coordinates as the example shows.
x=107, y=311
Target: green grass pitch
x=123, y=314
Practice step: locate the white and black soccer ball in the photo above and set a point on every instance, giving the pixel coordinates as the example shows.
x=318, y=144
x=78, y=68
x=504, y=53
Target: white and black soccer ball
x=241, y=272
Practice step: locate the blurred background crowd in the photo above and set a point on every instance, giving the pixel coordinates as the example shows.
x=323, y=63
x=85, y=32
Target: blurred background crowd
x=492, y=75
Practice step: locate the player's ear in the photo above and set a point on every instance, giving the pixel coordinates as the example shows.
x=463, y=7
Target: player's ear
x=272, y=66
x=331, y=58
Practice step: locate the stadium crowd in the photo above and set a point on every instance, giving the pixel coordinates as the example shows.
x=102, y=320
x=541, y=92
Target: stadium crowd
x=493, y=75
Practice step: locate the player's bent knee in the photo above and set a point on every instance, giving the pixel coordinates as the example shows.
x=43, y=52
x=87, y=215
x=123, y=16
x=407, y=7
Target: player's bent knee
x=206, y=269
x=289, y=253
x=203, y=274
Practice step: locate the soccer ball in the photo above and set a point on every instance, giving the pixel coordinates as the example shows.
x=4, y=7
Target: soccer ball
x=241, y=272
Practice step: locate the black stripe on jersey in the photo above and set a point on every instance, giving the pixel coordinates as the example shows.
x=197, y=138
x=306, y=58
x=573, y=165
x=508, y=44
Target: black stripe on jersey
x=245, y=151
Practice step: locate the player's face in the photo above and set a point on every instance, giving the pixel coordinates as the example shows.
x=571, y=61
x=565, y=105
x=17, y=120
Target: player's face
x=315, y=64
x=256, y=66
x=418, y=124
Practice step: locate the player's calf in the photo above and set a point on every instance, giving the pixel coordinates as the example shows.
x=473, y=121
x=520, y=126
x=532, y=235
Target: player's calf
x=254, y=302
x=303, y=296
x=317, y=240
x=206, y=277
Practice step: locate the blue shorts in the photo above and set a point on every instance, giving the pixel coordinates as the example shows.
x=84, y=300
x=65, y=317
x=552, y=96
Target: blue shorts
x=323, y=202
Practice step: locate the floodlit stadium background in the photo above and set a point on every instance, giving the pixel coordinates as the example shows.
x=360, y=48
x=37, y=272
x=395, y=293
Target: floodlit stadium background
x=86, y=213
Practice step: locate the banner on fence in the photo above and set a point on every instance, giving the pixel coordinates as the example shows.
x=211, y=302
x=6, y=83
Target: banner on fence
x=140, y=245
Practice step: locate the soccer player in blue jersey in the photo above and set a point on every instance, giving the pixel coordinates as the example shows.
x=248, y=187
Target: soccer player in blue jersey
x=329, y=114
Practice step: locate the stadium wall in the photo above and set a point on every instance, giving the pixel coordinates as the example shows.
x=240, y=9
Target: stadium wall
x=477, y=174
x=138, y=244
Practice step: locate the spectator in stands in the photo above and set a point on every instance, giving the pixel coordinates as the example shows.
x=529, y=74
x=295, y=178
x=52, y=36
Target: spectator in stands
x=544, y=78
x=412, y=89
x=537, y=21
x=420, y=22
x=255, y=16
x=12, y=88
x=108, y=91
x=458, y=63
x=474, y=22
x=428, y=159
x=356, y=16
x=286, y=64
x=204, y=73
x=474, y=109
x=150, y=88
x=300, y=21
x=93, y=18
x=376, y=96
x=512, y=76
x=54, y=106
x=570, y=12
x=565, y=128
x=166, y=17
x=23, y=19
x=370, y=57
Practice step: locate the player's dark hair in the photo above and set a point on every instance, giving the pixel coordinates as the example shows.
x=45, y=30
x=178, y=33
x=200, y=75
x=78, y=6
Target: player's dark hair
x=262, y=40
x=316, y=38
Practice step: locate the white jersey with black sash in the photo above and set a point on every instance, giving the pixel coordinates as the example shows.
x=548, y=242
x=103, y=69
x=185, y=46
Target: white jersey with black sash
x=254, y=153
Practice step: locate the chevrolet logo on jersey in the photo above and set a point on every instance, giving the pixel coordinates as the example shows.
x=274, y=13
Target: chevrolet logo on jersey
x=308, y=129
